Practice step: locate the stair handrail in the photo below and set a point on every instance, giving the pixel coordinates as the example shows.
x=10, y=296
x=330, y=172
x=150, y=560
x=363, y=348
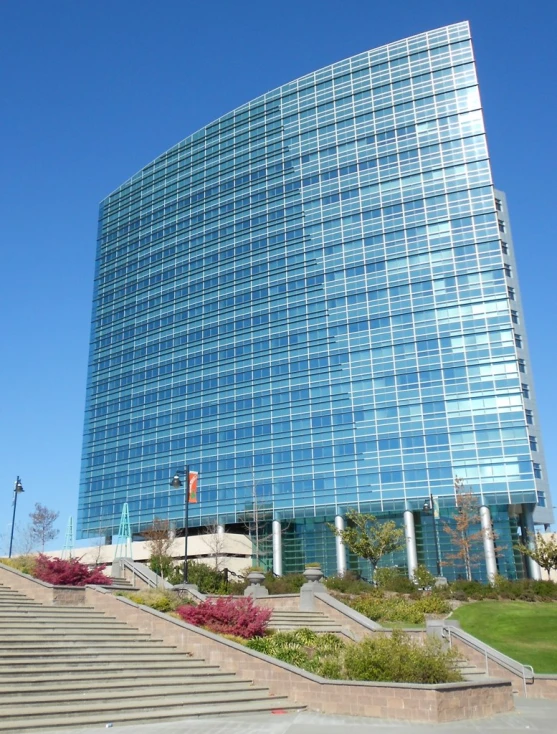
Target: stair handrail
x=144, y=573
x=526, y=672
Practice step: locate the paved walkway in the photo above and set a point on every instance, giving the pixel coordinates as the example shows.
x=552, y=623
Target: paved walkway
x=530, y=715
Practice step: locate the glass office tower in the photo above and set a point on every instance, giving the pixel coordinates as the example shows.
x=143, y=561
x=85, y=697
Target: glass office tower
x=313, y=302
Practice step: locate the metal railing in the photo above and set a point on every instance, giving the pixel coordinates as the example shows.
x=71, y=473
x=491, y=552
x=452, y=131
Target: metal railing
x=526, y=672
x=142, y=572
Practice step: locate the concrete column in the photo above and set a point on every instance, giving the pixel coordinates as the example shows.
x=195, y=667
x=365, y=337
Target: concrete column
x=277, y=548
x=489, y=545
x=411, y=550
x=220, y=529
x=340, y=547
x=534, y=571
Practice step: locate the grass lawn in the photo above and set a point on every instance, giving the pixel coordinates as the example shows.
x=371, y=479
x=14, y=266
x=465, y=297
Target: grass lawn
x=525, y=631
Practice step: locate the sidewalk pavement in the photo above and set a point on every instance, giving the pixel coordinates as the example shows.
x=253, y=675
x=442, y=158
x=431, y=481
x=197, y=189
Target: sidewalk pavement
x=532, y=715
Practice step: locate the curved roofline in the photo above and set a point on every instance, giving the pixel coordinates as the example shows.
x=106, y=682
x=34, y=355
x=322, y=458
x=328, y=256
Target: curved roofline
x=274, y=91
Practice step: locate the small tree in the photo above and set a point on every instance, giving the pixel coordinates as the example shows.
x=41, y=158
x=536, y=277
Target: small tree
x=216, y=543
x=42, y=525
x=544, y=553
x=462, y=535
x=369, y=538
x=159, y=542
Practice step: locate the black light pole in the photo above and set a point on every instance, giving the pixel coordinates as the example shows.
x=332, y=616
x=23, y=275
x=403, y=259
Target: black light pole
x=427, y=508
x=18, y=488
x=177, y=483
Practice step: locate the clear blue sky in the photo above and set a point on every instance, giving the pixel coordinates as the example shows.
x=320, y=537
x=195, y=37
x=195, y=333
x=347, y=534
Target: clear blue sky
x=93, y=91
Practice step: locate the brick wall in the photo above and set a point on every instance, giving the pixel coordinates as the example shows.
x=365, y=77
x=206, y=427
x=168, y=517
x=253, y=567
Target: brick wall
x=286, y=602
x=32, y=588
x=69, y=596
x=545, y=686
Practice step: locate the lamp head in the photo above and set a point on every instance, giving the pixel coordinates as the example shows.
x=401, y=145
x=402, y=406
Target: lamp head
x=176, y=482
x=18, y=485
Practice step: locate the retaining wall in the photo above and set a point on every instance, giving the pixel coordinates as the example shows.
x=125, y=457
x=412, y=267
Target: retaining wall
x=409, y=702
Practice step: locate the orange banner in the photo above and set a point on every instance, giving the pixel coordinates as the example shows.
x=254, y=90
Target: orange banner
x=193, y=487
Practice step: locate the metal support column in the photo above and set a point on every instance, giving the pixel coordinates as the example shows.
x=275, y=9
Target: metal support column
x=534, y=571
x=411, y=550
x=277, y=548
x=340, y=547
x=489, y=545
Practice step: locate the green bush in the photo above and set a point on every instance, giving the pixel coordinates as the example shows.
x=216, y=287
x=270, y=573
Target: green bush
x=423, y=578
x=430, y=604
x=207, y=579
x=398, y=659
x=25, y=564
x=399, y=609
x=544, y=589
x=349, y=583
x=503, y=588
x=163, y=566
x=390, y=579
x=162, y=601
x=474, y=589
x=289, y=584
x=319, y=654
x=379, y=658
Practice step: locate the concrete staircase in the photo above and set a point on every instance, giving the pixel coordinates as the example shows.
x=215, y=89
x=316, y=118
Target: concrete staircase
x=119, y=583
x=284, y=621
x=63, y=667
x=469, y=671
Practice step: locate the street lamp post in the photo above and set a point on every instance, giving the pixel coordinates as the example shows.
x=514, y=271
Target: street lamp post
x=429, y=506
x=18, y=488
x=177, y=483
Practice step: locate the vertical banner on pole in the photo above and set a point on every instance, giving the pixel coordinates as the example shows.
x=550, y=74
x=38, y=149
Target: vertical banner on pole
x=192, y=495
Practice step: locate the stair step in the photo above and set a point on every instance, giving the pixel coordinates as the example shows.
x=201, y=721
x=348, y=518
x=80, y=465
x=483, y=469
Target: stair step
x=293, y=627
x=35, y=712
x=67, y=666
x=168, y=713
x=90, y=654
x=21, y=636
x=127, y=696
x=60, y=639
x=85, y=680
x=297, y=615
x=48, y=630
x=58, y=612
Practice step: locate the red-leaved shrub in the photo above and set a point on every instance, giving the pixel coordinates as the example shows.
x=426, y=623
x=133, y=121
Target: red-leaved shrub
x=227, y=615
x=72, y=572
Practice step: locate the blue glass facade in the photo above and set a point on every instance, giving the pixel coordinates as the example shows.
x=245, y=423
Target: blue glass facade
x=313, y=302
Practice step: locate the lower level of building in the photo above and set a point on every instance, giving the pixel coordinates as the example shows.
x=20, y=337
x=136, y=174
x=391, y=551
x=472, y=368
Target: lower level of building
x=481, y=549
x=484, y=548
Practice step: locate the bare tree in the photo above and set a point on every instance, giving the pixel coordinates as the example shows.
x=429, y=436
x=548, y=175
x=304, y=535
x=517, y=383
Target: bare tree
x=216, y=542
x=467, y=541
x=98, y=547
x=42, y=525
x=159, y=541
x=257, y=518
